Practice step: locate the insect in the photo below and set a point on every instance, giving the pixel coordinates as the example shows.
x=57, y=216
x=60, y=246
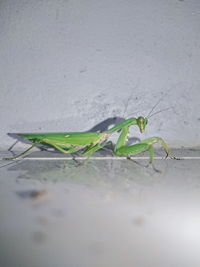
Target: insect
x=89, y=142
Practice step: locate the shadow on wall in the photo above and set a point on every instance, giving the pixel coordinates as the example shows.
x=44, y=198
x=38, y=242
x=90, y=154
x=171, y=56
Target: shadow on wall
x=105, y=125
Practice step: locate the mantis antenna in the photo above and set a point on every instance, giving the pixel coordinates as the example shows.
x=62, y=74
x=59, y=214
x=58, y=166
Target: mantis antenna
x=153, y=108
x=159, y=112
x=149, y=115
x=129, y=99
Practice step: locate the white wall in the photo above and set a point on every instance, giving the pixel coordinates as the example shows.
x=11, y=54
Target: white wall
x=68, y=65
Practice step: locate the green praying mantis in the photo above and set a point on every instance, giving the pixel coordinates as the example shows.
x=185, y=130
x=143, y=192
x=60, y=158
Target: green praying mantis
x=90, y=142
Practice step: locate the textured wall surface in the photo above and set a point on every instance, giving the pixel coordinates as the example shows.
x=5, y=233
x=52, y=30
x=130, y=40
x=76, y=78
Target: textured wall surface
x=69, y=65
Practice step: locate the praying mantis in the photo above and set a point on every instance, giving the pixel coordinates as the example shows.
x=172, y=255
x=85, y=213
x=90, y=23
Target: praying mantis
x=90, y=142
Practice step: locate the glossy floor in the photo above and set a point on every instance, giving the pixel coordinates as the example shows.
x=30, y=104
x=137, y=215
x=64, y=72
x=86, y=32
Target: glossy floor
x=105, y=212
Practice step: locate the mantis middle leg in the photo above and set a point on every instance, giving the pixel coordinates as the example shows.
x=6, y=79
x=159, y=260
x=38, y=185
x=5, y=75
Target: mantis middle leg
x=121, y=149
x=91, y=149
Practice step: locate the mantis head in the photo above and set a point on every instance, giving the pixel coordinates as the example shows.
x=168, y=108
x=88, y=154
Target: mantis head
x=142, y=122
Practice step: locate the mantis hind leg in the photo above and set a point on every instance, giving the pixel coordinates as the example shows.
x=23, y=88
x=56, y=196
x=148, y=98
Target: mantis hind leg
x=24, y=152
x=70, y=150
